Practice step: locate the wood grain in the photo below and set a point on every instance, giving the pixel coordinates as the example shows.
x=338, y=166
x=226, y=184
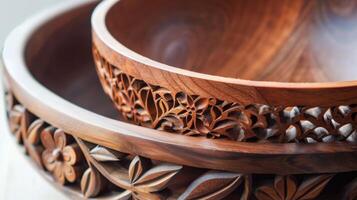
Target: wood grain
x=147, y=85
x=192, y=115
x=115, y=175
x=70, y=116
x=266, y=52
x=111, y=159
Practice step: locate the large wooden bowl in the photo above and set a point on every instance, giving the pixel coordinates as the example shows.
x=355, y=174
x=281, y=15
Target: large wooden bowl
x=57, y=112
x=257, y=71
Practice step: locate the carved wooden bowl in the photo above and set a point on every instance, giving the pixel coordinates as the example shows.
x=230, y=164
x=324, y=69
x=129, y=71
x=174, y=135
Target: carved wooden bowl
x=57, y=112
x=257, y=71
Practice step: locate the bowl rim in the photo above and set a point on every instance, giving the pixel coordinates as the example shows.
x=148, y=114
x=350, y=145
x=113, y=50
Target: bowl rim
x=99, y=26
x=237, y=90
x=121, y=136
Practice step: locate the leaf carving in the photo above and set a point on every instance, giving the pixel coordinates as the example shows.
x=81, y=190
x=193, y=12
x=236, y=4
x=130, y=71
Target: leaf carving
x=126, y=195
x=32, y=141
x=18, y=121
x=33, y=133
x=287, y=188
x=137, y=167
x=157, y=177
x=103, y=154
x=194, y=115
x=146, y=179
x=212, y=185
x=312, y=187
x=91, y=183
x=266, y=193
x=150, y=104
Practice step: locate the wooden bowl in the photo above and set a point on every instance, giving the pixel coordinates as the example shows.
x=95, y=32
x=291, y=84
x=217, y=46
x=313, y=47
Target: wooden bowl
x=57, y=112
x=257, y=71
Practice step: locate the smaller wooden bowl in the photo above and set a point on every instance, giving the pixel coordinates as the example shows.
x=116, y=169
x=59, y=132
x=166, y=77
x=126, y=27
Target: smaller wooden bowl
x=257, y=71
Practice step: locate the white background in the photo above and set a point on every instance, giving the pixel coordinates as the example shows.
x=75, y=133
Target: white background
x=18, y=179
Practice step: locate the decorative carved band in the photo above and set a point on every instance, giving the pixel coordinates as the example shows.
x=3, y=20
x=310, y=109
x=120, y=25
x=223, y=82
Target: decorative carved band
x=156, y=107
x=104, y=173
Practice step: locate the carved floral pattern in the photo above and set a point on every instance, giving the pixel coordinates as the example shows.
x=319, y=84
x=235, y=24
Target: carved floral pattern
x=157, y=107
x=111, y=174
x=213, y=185
x=61, y=156
x=139, y=180
x=287, y=188
x=47, y=146
x=26, y=133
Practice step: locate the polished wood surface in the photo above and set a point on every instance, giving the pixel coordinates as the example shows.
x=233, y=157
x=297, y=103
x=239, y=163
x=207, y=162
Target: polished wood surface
x=191, y=115
x=168, y=98
x=125, y=137
x=102, y=172
x=285, y=41
x=69, y=135
x=232, y=49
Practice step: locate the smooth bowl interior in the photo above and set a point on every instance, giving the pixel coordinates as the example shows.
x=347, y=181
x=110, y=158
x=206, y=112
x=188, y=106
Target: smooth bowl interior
x=59, y=56
x=264, y=40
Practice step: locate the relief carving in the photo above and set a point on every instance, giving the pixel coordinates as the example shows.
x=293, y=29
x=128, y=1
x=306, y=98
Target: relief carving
x=156, y=107
x=101, y=172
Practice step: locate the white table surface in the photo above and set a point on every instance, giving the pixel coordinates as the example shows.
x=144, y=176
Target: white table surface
x=18, y=179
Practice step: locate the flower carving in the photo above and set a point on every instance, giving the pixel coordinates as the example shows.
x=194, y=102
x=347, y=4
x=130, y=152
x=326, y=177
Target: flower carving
x=288, y=188
x=61, y=156
x=104, y=71
x=111, y=174
x=190, y=109
x=125, y=96
x=189, y=114
x=220, y=120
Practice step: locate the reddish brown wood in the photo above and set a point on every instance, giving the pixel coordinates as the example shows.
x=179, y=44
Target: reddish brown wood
x=60, y=156
x=286, y=188
x=285, y=41
x=150, y=70
x=116, y=175
x=124, y=137
x=184, y=45
x=157, y=107
x=56, y=86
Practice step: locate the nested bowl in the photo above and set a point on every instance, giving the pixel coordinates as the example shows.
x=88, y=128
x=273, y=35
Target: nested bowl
x=257, y=71
x=57, y=112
